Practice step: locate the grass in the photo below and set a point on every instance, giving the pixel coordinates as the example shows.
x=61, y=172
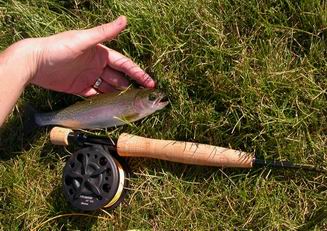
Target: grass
x=245, y=74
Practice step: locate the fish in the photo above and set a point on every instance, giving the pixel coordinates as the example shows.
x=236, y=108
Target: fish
x=106, y=110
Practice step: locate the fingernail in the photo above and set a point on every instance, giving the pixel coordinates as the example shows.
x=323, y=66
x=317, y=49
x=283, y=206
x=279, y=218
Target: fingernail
x=120, y=20
x=151, y=84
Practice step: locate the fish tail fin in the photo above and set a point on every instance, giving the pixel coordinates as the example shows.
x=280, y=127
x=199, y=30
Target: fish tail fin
x=38, y=118
x=32, y=118
x=28, y=117
x=43, y=119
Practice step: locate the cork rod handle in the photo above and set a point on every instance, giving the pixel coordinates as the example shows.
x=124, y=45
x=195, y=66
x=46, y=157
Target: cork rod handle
x=59, y=136
x=182, y=152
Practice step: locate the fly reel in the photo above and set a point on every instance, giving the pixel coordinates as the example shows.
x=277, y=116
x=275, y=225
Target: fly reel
x=95, y=177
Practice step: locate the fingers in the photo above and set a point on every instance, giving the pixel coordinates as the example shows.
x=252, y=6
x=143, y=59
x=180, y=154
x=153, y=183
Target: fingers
x=114, y=78
x=88, y=92
x=111, y=81
x=121, y=63
x=105, y=87
x=99, y=34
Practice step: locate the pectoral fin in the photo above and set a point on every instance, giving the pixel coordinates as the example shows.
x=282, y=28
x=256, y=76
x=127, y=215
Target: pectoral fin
x=130, y=117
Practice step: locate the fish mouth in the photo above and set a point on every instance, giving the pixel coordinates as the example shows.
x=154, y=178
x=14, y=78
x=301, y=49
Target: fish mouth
x=162, y=101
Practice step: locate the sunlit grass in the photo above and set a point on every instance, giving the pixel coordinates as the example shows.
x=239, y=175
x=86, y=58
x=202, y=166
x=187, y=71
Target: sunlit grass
x=249, y=75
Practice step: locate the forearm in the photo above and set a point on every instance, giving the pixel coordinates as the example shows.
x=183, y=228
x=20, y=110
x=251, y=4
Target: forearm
x=17, y=67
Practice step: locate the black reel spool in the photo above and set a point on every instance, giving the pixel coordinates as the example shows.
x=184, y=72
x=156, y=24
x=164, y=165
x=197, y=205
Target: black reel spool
x=94, y=178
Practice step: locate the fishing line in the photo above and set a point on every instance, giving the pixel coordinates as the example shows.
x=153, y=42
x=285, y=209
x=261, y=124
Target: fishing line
x=120, y=188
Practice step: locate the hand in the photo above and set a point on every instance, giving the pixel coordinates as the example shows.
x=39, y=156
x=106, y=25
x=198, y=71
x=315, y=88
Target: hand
x=72, y=61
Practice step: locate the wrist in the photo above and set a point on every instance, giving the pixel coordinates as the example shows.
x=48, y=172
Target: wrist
x=18, y=64
x=20, y=60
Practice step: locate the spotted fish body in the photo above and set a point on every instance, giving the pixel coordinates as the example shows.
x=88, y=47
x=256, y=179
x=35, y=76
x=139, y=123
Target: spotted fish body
x=106, y=110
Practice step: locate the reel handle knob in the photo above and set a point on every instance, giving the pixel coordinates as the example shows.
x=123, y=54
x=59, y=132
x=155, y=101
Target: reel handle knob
x=59, y=135
x=182, y=152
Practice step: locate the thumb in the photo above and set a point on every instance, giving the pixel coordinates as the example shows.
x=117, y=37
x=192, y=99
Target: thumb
x=99, y=34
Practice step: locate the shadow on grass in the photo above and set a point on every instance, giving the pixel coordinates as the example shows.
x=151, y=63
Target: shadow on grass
x=184, y=172
x=198, y=173
x=65, y=216
x=14, y=139
x=20, y=132
x=316, y=219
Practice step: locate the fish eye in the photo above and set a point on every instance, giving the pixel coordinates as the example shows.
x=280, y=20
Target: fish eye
x=152, y=97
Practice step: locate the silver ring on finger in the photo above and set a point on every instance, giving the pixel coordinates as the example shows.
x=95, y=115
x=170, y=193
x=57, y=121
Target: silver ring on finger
x=97, y=83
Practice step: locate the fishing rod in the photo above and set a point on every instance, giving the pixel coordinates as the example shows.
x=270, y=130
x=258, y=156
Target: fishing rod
x=127, y=145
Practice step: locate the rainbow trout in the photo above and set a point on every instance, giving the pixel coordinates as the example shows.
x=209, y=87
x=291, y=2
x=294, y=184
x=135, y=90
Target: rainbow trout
x=107, y=110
